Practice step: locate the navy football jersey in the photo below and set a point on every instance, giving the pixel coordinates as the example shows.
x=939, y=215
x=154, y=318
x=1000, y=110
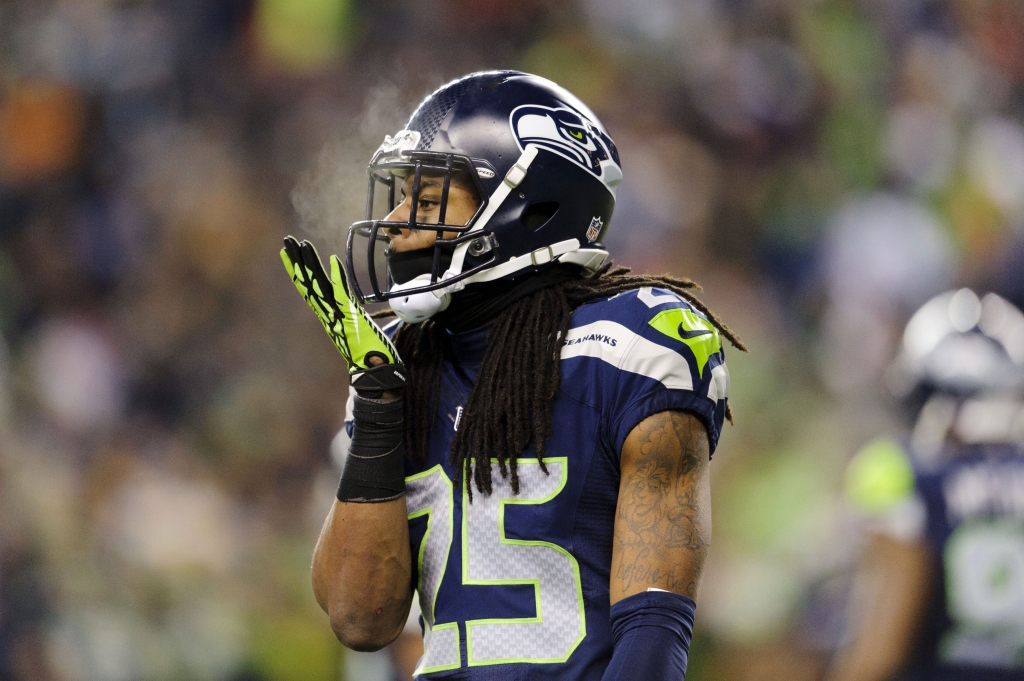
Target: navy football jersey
x=968, y=506
x=517, y=586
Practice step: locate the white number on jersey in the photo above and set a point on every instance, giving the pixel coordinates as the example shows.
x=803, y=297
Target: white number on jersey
x=985, y=592
x=489, y=557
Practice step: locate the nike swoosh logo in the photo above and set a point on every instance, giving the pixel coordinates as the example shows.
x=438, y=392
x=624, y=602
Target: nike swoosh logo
x=687, y=335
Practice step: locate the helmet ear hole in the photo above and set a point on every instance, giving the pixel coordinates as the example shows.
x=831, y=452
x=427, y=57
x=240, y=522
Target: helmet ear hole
x=538, y=215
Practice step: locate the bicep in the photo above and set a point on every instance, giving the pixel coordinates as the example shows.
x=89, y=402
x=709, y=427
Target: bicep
x=663, y=516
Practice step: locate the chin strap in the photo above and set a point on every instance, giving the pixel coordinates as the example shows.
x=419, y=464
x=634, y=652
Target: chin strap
x=417, y=307
x=561, y=251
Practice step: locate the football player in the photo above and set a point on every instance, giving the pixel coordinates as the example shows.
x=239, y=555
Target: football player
x=531, y=440
x=943, y=573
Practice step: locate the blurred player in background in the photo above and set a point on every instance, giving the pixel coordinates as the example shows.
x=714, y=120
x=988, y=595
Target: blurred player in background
x=553, y=511
x=942, y=581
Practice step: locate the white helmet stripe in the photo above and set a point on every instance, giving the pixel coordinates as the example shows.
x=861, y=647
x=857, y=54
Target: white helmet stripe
x=513, y=179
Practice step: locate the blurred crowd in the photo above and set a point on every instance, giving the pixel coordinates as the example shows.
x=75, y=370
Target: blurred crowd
x=167, y=403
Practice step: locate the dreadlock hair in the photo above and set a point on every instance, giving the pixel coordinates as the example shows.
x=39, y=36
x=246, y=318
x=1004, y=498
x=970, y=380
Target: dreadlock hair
x=509, y=408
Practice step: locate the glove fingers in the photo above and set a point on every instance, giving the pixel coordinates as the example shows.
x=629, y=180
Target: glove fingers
x=340, y=279
x=292, y=247
x=339, y=282
x=350, y=328
x=314, y=271
x=291, y=256
x=303, y=265
x=368, y=341
x=331, y=315
x=288, y=266
x=350, y=308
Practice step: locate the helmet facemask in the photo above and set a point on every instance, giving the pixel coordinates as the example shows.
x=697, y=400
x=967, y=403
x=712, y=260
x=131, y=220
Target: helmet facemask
x=376, y=276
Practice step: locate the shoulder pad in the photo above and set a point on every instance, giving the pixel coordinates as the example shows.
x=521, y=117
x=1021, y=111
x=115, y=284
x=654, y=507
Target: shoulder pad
x=676, y=321
x=655, y=333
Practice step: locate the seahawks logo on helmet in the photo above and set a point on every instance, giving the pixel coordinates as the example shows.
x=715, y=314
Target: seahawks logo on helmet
x=570, y=135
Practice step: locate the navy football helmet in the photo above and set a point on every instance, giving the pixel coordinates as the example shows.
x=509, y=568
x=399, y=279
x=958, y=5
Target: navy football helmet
x=544, y=169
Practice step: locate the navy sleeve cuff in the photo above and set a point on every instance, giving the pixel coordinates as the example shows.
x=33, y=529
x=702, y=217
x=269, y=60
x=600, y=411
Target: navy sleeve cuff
x=651, y=637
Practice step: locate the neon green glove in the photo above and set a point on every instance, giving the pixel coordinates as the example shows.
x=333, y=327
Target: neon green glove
x=373, y=363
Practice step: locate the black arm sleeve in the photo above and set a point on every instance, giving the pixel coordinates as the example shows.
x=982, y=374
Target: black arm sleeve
x=651, y=633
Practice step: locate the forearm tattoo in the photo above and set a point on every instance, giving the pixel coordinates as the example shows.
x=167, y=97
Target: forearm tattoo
x=664, y=526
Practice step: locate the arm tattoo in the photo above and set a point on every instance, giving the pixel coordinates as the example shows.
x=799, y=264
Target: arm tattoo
x=662, y=517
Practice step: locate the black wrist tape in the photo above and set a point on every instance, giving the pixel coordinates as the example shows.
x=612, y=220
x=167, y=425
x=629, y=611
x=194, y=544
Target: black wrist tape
x=375, y=467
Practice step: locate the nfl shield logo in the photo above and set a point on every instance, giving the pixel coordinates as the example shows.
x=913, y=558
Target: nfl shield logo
x=594, y=229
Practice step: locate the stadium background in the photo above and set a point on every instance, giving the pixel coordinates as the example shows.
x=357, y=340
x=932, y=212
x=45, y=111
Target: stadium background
x=168, y=405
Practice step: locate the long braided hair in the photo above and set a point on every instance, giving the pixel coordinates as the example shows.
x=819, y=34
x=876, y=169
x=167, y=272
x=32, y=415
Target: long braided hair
x=509, y=408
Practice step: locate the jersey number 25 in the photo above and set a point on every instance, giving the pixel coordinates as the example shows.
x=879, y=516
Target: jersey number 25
x=491, y=558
